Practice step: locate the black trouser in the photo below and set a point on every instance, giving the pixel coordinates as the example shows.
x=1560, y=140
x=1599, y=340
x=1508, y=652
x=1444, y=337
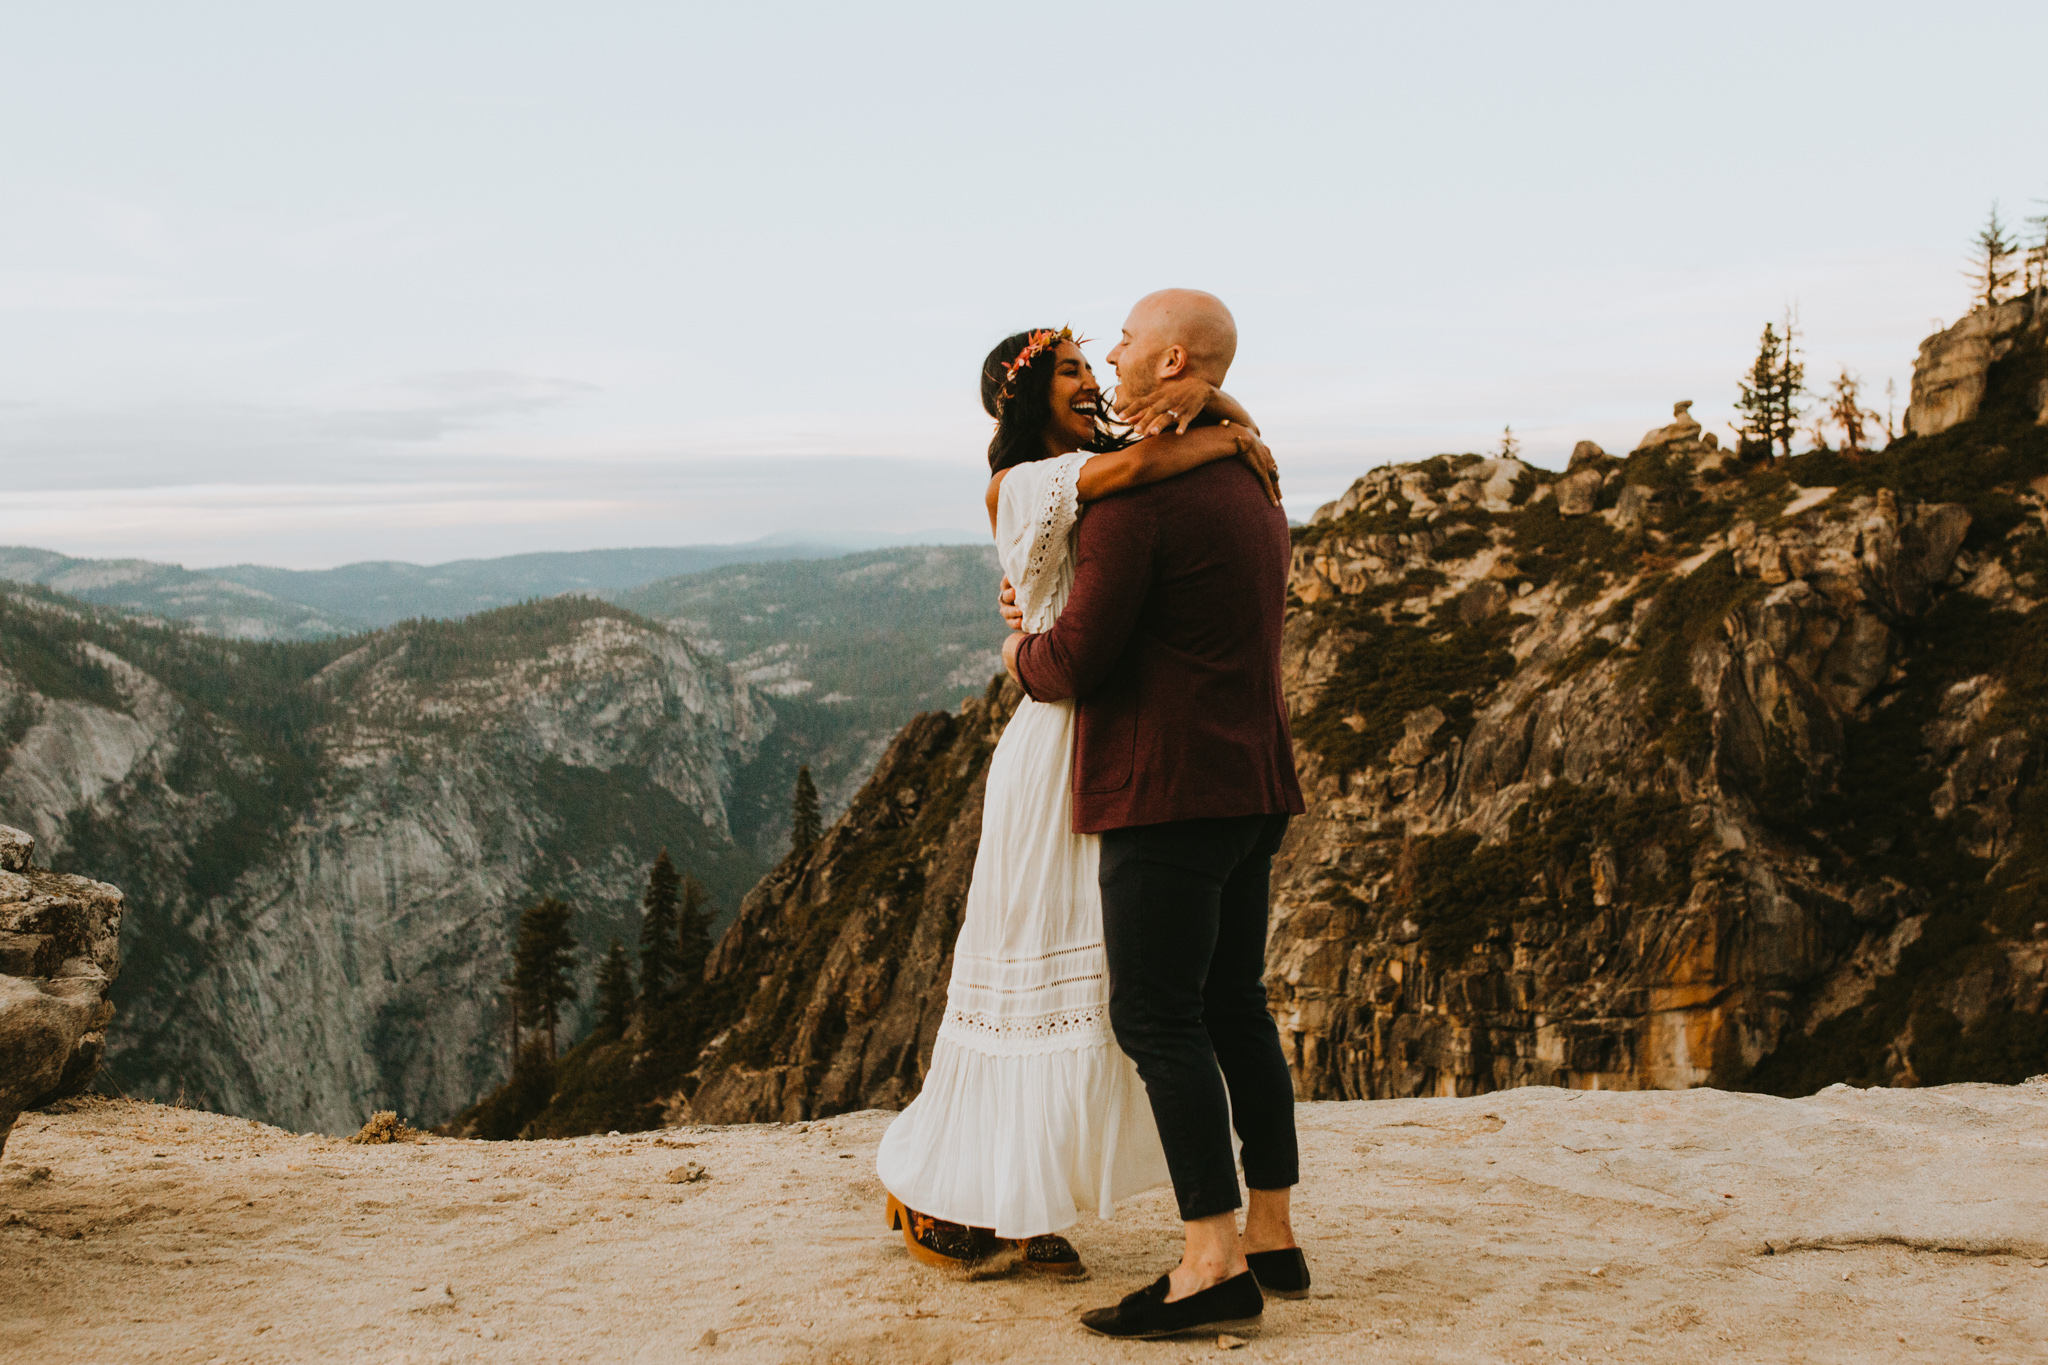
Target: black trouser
x=1184, y=928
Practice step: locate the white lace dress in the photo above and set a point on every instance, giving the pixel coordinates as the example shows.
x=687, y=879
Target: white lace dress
x=1031, y=1114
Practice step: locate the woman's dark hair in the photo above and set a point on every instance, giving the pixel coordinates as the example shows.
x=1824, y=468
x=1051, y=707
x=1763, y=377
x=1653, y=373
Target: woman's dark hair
x=1021, y=418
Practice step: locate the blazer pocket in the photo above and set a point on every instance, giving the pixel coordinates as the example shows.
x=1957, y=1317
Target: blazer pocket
x=1106, y=744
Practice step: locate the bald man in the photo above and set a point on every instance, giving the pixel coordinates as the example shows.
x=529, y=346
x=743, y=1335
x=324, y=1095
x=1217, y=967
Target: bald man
x=1172, y=334
x=1170, y=644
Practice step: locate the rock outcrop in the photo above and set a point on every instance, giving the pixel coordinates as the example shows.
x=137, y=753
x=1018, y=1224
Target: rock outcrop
x=1653, y=849
x=59, y=954
x=1955, y=368
x=326, y=845
x=826, y=992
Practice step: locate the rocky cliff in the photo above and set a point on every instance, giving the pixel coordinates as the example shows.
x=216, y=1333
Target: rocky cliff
x=845, y=650
x=1953, y=374
x=60, y=941
x=825, y=994
x=326, y=845
x=1672, y=774
x=1662, y=771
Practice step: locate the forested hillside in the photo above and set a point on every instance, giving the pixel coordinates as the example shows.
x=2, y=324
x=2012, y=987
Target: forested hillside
x=846, y=650
x=325, y=846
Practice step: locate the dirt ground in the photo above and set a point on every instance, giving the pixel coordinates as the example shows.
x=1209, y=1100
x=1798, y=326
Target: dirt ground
x=1534, y=1225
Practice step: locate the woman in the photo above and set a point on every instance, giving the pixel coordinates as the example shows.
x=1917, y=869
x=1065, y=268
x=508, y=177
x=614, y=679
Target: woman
x=1030, y=1114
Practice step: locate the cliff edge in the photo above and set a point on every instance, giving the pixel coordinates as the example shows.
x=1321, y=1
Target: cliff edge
x=60, y=946
x=1537, y=1224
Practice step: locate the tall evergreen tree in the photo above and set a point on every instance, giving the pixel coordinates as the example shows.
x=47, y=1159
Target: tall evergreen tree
x=1991, y=271
x=658, y=930
x=512, y=1014
x=1756, y=401
x=1791, y=385
x=1768, y=396
x=615, y=992
x=807, y=826
x=693, y=934
x=542, y=959
x=1510, y=448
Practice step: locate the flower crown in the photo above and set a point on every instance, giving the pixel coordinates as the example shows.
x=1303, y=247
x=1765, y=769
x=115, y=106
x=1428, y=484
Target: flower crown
x=1041, y=341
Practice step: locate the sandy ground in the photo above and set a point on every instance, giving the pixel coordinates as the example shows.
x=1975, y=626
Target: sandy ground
x=1535, y=1225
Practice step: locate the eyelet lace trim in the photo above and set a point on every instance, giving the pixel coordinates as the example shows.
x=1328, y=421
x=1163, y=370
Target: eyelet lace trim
x=1071, y=1028
x=1059, y=508
x=1091, y=946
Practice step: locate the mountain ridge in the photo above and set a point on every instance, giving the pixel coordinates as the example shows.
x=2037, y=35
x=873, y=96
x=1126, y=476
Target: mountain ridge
x=261, y=602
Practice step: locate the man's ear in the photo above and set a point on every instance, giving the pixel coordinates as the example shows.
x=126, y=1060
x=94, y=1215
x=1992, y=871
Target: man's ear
x=1173, y=361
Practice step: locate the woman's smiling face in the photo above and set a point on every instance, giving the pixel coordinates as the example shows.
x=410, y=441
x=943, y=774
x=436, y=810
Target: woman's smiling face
x=1076, y=400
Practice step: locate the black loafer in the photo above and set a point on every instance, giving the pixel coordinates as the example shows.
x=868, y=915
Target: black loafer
x=1232, y=1306
x=1283, y=1274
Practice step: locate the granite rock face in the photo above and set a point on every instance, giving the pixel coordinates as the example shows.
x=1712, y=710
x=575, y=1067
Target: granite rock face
x=326, y=846
x=59, y=954
x=830, y=985
x=1954, y=369
x=1733, y=748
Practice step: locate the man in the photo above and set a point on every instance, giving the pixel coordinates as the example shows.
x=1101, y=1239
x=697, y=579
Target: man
x=1170, y=642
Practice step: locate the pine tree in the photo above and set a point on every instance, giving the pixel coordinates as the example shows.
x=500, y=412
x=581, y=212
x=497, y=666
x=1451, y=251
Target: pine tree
x=2037, y=251
x=1846, y=411
x=512, y=1015
x=542, y=959
x=1991, y=272
x=1756, y=401
x=658, y=930
x=615, y=992
x=693, y=934
x=1791, y=384
x=1767, y=398
x=807, y=825
x=1510, y=448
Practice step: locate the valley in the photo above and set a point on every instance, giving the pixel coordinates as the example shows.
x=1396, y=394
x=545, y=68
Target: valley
x=326, y=843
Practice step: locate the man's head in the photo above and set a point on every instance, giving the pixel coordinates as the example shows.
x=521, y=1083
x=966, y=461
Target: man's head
x=1170, y=334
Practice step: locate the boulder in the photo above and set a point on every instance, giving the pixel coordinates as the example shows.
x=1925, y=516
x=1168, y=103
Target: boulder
x=1500, y=481
x=1582, y=452
x=1418, y=736
x=1634, y=505
x=16, y=848
x=1952, y=373
x=1683, y=431
x=1906, y=551
x=1578, y=493
x=60, y=940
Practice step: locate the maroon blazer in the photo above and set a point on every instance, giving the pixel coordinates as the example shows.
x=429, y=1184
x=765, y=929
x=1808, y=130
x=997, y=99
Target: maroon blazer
x=1171, y=642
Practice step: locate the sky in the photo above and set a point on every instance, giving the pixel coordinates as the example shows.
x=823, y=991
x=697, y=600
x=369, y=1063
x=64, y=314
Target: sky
x=306, y=285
